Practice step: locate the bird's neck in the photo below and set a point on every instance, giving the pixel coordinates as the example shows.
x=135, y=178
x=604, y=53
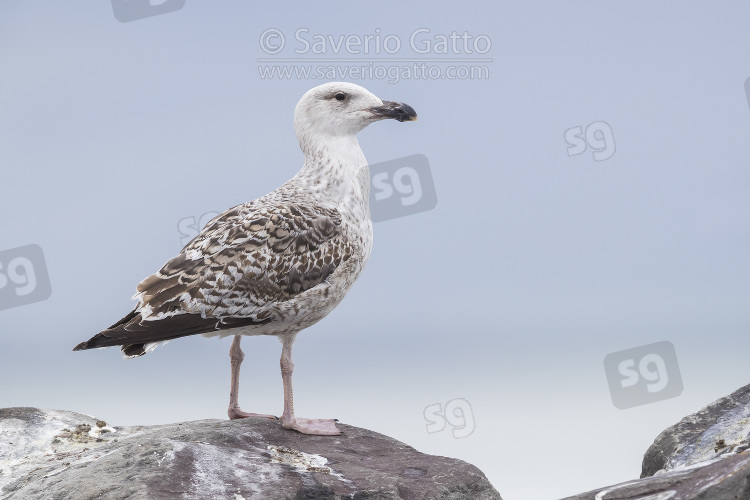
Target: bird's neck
x=336, y=169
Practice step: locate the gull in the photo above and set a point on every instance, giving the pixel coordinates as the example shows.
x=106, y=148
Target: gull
x=275, y=265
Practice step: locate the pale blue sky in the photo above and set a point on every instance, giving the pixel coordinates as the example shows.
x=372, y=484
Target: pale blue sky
x=531, y=269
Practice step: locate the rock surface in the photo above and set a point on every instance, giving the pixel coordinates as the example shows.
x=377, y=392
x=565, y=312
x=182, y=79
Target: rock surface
x=717, y=430
x=703, y=456
x=725, y=479
x=49, y=454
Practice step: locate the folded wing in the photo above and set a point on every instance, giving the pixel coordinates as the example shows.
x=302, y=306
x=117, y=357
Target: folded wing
x=236, y=272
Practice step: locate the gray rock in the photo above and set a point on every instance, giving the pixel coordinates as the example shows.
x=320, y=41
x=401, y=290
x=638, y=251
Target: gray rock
x=719, y=429
x=725, y=479
x=700, y=457
x=48, y=454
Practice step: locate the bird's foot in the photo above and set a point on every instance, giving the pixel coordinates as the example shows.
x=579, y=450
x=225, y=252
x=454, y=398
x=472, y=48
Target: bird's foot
x=235, y=413
x=313, y=426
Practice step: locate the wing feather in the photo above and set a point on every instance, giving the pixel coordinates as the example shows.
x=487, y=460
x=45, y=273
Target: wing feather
x=244, y=263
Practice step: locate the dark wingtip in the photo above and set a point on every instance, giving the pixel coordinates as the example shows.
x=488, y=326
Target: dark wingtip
x=82, y=346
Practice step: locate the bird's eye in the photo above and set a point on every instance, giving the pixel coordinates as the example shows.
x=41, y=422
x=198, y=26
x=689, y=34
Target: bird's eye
x=340, y=96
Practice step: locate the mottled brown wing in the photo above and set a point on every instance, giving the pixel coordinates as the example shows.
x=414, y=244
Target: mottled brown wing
x=244, y=261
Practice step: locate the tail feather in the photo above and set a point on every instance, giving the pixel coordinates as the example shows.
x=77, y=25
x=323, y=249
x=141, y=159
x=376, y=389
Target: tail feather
x=130, y=351
x=137, y=336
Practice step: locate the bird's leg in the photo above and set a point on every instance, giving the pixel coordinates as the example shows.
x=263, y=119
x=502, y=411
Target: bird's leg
x=315, y=426
x=236, y=356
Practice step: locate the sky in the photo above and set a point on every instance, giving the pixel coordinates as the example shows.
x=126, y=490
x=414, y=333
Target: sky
x=573, y=280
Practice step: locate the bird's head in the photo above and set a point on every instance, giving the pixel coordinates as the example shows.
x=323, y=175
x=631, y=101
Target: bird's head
x=343, y=109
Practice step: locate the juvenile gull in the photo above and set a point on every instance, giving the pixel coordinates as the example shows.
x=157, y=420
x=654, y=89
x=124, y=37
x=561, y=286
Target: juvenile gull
x=275, y=265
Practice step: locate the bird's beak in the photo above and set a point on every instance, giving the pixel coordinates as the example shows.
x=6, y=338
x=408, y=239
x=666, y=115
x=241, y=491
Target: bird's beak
x=396, y=110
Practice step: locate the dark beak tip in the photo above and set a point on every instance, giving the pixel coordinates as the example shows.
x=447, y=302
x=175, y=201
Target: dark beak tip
x=409, y=115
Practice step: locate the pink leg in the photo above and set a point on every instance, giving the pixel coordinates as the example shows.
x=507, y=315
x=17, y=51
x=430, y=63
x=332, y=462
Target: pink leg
x=315, y=426
x=236, y=356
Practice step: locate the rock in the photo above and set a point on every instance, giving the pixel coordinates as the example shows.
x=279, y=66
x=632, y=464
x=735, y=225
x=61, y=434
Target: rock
x=725, y=479
x=719, y=429
x=703, y=456
x=49, y=454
